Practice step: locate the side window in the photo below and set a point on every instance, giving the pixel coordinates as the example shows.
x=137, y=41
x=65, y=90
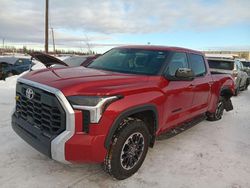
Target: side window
x=5, y=66
x=237, y=65
x=197, y=64
x=178, y=60
x=241, y=65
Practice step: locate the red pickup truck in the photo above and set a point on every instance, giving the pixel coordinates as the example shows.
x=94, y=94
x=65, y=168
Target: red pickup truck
x=113, y=110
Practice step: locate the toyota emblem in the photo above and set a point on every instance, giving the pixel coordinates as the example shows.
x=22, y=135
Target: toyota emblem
x=30, y=93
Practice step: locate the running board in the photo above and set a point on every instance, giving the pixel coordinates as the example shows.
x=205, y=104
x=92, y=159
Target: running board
x=182, y=127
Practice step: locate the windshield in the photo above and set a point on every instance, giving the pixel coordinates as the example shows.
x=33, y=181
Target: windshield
x=74, y=61
x=133, y=61
x=221, y=64
x=23, y=62
x=246, y=63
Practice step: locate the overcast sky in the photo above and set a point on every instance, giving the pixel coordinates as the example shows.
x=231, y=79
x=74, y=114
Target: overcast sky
x=197, y=24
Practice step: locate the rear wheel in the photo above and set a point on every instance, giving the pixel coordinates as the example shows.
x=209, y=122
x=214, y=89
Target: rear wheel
x=217, y=115
x=128, y=150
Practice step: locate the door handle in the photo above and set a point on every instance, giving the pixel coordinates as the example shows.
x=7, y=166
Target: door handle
x=210, y=83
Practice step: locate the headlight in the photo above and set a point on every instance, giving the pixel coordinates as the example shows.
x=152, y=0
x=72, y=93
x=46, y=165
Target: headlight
x=84, y=100
x=94, y=104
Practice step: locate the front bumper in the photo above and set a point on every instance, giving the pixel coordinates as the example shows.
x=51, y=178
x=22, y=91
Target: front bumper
x=80, y=148
x=69, y=146
x=31, y=135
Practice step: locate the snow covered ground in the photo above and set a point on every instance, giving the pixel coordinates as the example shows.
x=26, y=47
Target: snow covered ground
x=210, y=154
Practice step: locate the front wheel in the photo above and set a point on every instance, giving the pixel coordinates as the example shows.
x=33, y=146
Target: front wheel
x=128, y=150
x=217, y=115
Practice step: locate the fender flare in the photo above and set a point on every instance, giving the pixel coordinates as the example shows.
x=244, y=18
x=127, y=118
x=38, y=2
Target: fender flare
x=126, y=113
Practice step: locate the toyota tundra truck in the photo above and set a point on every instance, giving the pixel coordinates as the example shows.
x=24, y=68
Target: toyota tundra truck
x=113, y=110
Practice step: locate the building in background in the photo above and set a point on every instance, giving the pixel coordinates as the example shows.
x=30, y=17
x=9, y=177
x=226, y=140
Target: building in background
x=230, y=54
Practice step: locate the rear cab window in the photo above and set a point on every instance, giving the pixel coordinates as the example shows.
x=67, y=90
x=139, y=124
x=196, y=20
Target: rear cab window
x=197, y=64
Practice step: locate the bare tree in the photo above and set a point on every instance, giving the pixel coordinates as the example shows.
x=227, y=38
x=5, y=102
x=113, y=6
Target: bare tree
x=86, y=40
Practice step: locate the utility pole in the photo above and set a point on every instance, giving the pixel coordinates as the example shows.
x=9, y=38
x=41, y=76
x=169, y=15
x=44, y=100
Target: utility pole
x=47, y=26
x=54, y=47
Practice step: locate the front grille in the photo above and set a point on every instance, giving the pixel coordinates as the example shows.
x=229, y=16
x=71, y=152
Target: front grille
x=43, y=111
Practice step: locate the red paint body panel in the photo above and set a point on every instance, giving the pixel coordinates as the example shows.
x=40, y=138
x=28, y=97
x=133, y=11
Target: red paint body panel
x=175, y=101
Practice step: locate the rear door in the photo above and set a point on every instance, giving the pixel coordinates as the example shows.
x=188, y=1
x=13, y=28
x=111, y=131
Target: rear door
x=201, y=83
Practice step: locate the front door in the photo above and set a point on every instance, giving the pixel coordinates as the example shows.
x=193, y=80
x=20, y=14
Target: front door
x=179, y=94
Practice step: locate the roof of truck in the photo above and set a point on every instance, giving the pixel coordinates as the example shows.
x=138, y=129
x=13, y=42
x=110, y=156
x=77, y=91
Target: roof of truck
x=162, y=48
x=10, y=60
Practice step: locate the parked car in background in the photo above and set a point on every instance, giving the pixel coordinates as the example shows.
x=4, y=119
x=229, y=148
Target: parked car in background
x=233, y=67
x=56, y=62
x=246, y=64
x=246, y=68
x=13, y=66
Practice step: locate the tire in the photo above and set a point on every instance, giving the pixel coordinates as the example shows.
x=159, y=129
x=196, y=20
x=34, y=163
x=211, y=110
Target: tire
x=217, y=115
x=128, y=150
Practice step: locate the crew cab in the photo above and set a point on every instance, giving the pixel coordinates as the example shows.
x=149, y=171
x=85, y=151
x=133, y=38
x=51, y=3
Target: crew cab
x=112, y=111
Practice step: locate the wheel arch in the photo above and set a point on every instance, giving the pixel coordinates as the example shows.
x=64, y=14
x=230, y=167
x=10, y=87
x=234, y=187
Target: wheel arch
x=135, y=112
x=226, y=92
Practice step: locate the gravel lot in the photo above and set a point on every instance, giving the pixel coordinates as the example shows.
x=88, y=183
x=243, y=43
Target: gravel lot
x=210, y=154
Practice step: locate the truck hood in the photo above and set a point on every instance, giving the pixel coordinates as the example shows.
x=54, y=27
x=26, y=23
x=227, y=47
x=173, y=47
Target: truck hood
x=86, y=81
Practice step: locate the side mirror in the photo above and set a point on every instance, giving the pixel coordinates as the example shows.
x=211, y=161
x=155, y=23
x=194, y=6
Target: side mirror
x=184, y=74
